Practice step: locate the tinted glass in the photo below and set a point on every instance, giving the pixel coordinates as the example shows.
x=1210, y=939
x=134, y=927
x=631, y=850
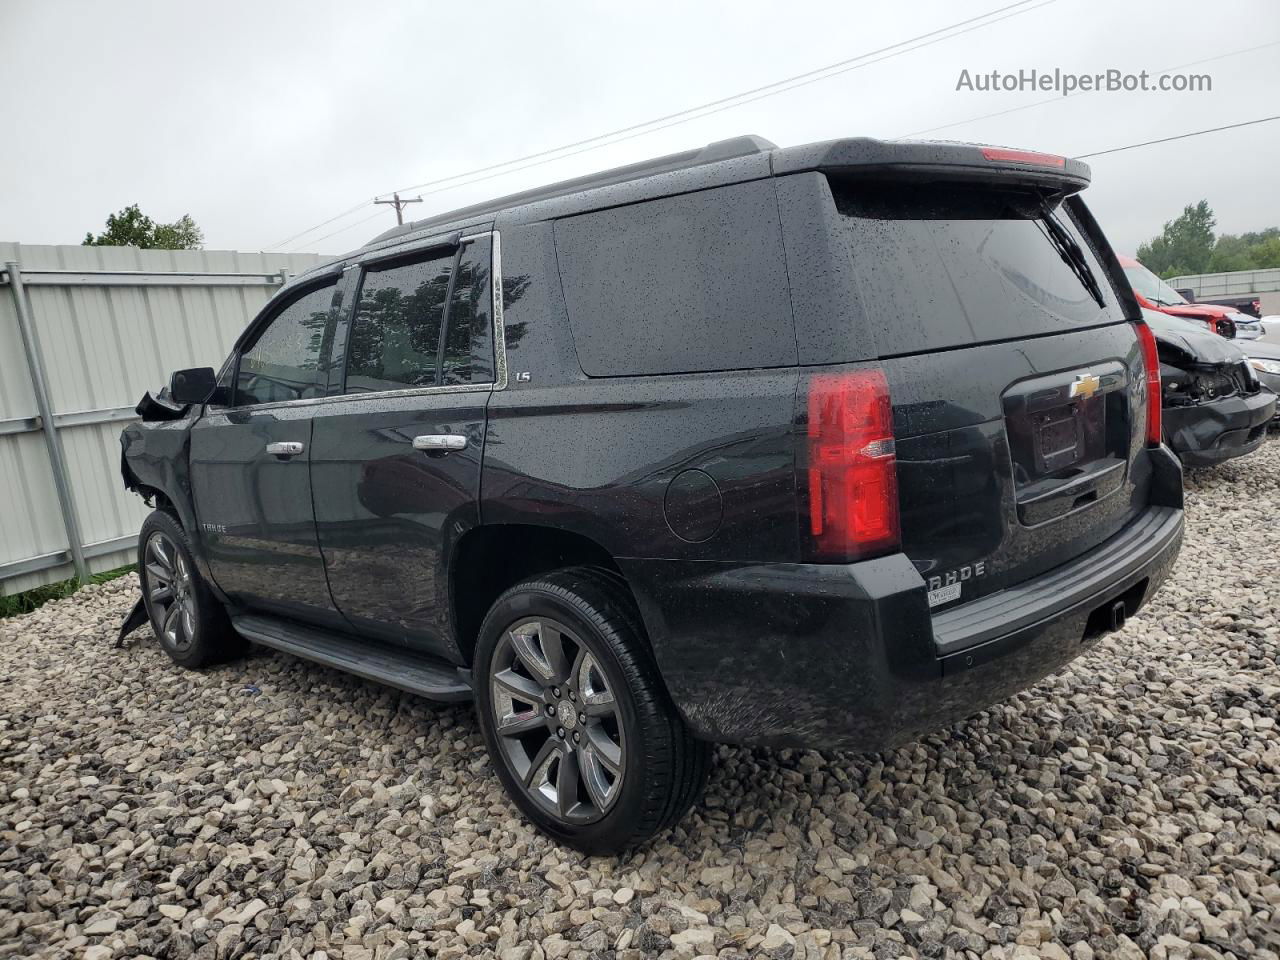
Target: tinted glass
x=468, y=348
x=1152, y=287
x=395, y=334
x=695, y=282
x=946, y=265
x=284, y=362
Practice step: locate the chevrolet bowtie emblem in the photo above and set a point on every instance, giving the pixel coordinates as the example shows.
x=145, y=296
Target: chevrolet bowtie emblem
x=1085, y=385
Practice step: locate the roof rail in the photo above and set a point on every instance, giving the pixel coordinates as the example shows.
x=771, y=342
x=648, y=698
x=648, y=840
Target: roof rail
x=743, y=146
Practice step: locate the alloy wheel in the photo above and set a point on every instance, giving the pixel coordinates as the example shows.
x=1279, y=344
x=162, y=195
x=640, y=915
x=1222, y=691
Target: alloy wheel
x=170, y=592
x=557, y=720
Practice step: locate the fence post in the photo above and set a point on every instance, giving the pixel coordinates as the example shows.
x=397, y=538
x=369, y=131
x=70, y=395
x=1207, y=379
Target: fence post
x=35, y=363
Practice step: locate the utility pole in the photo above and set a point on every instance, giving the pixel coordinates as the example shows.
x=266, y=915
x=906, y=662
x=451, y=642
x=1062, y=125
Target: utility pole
x=399, y=205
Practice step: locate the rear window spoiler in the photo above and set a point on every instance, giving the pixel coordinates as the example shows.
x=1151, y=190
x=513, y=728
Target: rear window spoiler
x=864, y=156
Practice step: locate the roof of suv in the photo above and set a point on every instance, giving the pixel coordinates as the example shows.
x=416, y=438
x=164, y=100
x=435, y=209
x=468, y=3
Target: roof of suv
x=744, y=146
x=743, y=158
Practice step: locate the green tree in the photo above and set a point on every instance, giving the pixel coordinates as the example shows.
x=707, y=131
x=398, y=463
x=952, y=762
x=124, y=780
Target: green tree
x=1184, y=246
x=1267, y=253
x=133, y=228
x=182, y=234
x=1230, y=253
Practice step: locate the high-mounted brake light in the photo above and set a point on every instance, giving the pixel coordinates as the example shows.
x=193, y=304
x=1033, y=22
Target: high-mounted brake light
x=852, y=468
x=1001, y=155
x=1151, y=371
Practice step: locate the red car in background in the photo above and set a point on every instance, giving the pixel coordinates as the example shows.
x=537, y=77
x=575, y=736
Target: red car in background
x=1154, y=294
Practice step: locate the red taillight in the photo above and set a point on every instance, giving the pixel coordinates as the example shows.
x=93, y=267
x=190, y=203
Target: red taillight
x=852, y=470
x=1151, y=371
x=1001, y=155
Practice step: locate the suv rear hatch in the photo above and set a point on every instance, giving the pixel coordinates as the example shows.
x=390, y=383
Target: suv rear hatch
x=1017, y=384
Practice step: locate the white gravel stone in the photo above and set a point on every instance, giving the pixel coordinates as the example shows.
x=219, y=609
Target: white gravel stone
x=1124, y=807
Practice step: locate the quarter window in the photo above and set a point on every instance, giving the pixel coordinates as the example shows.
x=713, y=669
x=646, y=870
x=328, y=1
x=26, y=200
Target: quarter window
x=679, y=284
x=285, y=361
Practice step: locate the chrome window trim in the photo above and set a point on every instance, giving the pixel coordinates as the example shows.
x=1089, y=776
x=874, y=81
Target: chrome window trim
x=499, y=330
x=499, y=345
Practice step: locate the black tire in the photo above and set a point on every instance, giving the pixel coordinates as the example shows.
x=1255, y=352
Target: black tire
x=663, y=768
x=190, y=623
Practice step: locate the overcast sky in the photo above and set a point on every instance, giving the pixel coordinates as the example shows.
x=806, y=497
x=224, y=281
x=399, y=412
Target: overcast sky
x=261, y=119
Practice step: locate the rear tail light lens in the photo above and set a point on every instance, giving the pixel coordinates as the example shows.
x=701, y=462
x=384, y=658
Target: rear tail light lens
x=1151, y=371
x=852, y=468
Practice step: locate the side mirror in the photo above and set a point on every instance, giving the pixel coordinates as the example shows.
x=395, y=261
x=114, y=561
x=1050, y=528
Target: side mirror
x=193, y=385
x=1187, y=294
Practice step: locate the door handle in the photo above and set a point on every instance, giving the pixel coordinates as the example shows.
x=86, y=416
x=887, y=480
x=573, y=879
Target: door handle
x=440, y=442
x=285, y=448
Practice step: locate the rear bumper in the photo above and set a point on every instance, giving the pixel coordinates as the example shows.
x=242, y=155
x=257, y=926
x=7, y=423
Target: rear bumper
x=1209, y=433
x=849, y=657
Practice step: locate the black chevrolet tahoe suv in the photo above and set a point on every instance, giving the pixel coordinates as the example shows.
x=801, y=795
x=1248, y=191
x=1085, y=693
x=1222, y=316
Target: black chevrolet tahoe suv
x=826, y=446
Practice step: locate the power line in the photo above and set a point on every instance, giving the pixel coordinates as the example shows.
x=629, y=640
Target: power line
x=706, y=109
x=1083, y=156
x=721, y=109
x=726, y=100
x=718, y=109
x=1181, y=136
x=1077, y=93
x=350, y=226
x=986, y=116
x=324, y=223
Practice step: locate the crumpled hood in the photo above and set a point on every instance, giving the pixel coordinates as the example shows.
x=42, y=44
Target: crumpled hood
x=1205, y=310
x=1192, y=341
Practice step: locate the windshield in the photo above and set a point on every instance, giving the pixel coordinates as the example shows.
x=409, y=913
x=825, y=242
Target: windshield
x=1152, y=287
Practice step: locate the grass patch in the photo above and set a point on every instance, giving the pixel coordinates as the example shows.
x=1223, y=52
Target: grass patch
x=28, y=600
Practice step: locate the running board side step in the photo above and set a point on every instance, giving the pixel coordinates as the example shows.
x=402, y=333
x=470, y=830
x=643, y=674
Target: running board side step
x=393, y=666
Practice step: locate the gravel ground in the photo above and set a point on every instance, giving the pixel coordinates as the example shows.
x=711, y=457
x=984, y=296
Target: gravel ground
x=1126, y=807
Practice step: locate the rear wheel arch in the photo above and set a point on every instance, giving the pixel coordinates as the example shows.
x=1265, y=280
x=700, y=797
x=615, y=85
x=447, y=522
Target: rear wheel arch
x=648, y=769
x=490, y=559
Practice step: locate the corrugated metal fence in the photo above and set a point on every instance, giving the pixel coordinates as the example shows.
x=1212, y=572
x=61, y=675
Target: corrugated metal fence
x=100, y=325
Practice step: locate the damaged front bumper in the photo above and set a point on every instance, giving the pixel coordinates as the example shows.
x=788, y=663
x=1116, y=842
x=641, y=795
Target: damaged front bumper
x=1272, y=382
x=1204, y=434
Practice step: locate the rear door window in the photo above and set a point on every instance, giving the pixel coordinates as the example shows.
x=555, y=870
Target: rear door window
x=395, y=333
x=951, y=265
x=680, y=284
x=406, y=308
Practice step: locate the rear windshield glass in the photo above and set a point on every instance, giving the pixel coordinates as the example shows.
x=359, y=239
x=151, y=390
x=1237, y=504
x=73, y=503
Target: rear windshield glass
x=950, y=265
